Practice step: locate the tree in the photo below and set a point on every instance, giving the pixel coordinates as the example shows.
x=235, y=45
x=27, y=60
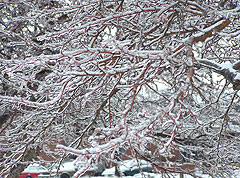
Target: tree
x=120, y=74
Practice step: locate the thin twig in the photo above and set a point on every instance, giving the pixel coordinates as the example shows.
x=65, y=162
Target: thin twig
x=225, y=121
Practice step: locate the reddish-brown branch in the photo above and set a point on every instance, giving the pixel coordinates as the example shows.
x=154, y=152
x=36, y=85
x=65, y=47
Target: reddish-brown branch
x=210, y=33
x=206, y=34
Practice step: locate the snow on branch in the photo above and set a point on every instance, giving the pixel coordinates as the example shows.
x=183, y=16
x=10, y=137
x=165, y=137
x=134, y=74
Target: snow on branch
x=227, y=70
x=118, y=77
x=204, y=34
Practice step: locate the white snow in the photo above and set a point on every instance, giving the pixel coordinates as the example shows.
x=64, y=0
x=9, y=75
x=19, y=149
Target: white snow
x=35, y=168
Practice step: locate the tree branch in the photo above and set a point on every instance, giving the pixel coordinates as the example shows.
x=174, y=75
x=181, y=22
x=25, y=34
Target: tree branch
x=226, y=70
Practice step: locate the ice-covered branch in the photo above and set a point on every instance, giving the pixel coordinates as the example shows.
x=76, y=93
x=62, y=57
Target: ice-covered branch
x=100, y=77
x=227, y=70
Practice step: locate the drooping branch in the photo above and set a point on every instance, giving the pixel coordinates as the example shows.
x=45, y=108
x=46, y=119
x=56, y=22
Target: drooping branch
x=228, y=71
